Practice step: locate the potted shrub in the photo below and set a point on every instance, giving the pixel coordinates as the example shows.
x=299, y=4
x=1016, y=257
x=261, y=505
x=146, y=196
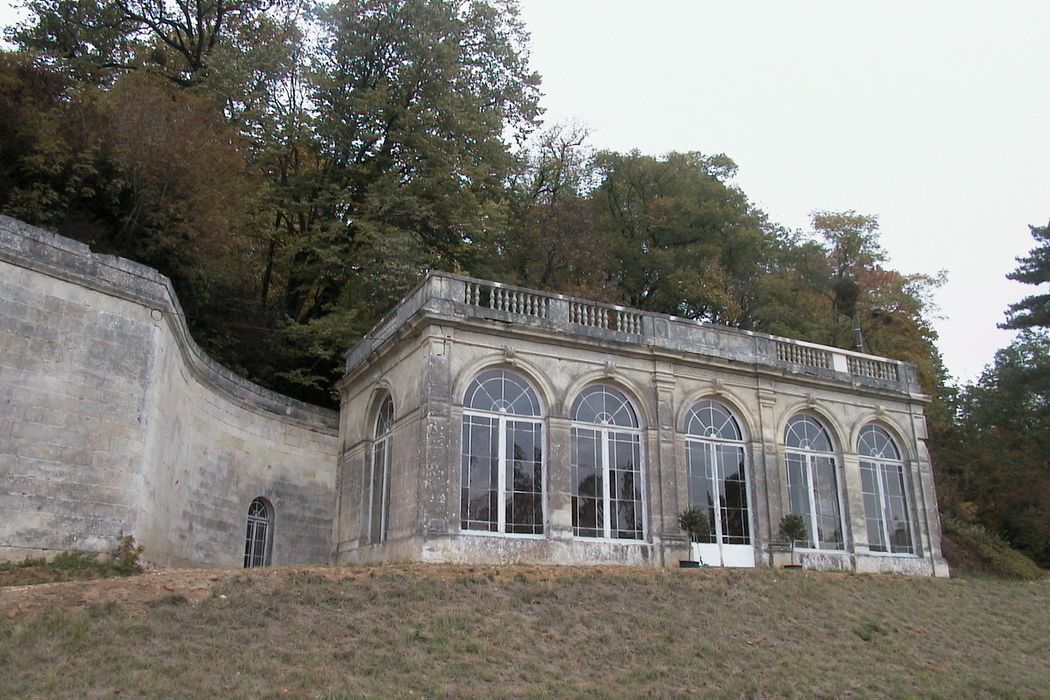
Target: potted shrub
x=695, y=524
x=793, y=529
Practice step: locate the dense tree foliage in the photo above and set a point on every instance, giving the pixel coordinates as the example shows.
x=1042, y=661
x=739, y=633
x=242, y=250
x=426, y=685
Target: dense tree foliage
x=994, y=458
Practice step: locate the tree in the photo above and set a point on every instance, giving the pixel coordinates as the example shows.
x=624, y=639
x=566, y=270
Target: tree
x=97, y=40
x=684, y=241
x=1032, y=311
x=997, y=455
x=402, y=167
x=552, y=236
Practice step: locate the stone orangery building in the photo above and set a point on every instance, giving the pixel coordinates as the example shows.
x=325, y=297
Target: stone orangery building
x=478, y=423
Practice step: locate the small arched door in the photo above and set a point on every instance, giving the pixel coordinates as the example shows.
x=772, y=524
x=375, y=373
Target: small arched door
x=259, y=535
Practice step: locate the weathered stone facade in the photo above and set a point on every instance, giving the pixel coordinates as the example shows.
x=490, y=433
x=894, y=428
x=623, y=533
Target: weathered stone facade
x=427, y=351
x=113, y=421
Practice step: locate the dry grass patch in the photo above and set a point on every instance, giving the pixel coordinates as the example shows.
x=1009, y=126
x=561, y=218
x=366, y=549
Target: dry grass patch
x=461, y=630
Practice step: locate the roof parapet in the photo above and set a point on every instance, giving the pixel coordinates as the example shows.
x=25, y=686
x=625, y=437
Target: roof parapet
x=446, y=295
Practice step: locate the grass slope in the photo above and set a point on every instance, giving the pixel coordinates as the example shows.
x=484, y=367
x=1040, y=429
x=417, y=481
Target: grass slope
x=458, y=630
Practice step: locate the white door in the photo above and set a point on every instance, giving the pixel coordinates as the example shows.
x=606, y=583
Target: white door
x=718, y=483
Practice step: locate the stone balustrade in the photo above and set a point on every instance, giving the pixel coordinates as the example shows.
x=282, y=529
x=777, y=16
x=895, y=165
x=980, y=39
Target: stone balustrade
x=452, y=296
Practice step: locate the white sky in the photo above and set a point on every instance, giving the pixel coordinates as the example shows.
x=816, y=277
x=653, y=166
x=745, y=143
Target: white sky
x=935, y=116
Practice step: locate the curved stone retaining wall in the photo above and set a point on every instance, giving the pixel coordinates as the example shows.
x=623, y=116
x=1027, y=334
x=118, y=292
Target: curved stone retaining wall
x=113, y=420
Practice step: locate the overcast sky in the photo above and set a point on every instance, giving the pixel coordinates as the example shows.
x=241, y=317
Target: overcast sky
x=935, y=116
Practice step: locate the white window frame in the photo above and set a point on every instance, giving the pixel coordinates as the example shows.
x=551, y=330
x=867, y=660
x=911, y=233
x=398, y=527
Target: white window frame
x=502, y=419
x=808, y=456
x=605, y=431
x=710, y=444
x=878, y=465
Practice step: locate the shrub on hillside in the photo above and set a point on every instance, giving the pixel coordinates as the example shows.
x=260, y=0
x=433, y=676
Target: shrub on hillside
x=985, y=552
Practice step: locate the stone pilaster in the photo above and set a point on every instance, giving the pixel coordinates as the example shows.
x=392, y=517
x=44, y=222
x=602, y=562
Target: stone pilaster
x=559, y=478
x=853, y=505
x=667, y=468
x=438, y=467
x=771, y=496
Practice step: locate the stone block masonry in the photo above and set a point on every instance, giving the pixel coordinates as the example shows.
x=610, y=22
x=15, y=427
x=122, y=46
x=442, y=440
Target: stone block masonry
x=113, y=420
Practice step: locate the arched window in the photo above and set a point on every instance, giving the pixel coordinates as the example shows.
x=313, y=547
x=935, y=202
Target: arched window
x=813, y=491
x=882, y=482
x=379, y=473
x=501, y=481
x=606, y=466
x=717, y=466
x=260, y=534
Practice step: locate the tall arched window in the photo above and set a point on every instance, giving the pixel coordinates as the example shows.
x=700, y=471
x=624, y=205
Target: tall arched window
x=379, y=473
x=260, y=534
x=717, y=465
x=813, y=491
x=606, y=466
x=501, y=481
x=882, y=482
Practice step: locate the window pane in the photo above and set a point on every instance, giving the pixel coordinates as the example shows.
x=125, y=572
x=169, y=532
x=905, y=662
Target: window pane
x=376, y=493
x=259, y=546
x=826, y=503
x=701, y=483
x=479, y=483
x=872, y=507
x=876, y=442
x=524, y=478
x=733, y=495
x=249, y=538
x=498, y=390
x=711, y=419
x=625, y=488
x=896, y=509
x=807, y=433
x=601, y=404
x=799, y=492
x=587, y=515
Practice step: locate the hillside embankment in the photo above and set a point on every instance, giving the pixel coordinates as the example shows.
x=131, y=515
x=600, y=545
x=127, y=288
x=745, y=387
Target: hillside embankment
x=434, y=630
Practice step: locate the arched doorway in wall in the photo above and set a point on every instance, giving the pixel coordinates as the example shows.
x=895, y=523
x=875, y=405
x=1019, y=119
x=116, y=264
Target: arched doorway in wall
x=258, y=539
x=719, y=484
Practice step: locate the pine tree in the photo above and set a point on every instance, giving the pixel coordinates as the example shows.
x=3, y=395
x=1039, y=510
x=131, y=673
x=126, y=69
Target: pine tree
x=1032, y=311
